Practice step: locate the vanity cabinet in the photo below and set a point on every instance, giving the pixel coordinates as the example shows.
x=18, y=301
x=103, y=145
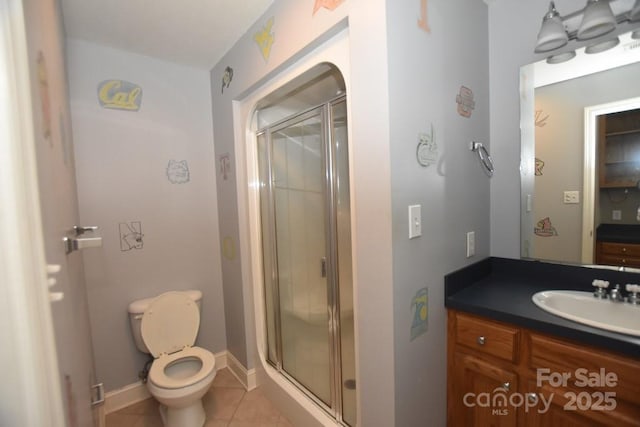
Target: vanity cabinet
x=619, y=149
x=503, y=375
x=620, y=254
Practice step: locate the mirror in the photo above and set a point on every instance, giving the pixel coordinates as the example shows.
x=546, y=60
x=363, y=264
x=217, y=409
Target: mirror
x=580, y=158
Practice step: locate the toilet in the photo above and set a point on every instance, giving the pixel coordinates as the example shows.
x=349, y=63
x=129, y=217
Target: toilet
x=166, y=327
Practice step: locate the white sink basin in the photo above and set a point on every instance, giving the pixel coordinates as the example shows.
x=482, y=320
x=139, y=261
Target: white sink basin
x=582, y=307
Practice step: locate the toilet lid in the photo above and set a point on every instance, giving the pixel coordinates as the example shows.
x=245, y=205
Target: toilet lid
x=170, y=323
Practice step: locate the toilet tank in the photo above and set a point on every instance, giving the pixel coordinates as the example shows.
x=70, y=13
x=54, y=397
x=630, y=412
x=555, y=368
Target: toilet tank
x=137, y=309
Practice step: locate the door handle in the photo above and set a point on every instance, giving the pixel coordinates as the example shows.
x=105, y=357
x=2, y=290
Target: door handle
x=83, y=238
x=80, y=230
x=323, y=267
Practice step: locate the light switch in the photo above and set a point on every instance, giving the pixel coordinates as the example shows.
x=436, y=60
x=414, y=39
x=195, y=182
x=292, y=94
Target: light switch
x=471, y=244
x=415, y=221
x=616, y=215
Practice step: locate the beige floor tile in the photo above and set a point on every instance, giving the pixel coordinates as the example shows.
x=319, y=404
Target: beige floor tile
x=145, y=407
x=224, y=378
x=235, y=423
x=283, y=422
x=256, y=407
x=118, y=419
x=220, y=403
x=226, y=404
x=150, y=421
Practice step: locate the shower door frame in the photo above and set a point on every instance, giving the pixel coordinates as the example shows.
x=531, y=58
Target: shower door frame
x=329, y=168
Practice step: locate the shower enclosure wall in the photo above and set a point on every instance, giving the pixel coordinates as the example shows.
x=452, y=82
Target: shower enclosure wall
x=306, y=241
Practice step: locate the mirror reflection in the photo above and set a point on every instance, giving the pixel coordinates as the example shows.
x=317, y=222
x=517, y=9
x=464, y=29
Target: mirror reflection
x=581, y=161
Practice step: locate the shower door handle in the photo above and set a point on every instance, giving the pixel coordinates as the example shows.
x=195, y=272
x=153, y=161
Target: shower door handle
x=323, y=267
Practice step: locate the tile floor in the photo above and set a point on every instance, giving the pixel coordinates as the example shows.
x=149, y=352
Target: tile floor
x=226, y=404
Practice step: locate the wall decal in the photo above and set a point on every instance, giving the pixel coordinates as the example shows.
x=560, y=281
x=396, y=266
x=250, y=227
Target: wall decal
x=427, y=151
x=130, y=235
x=539, y=166
x=423, y=21
x=45, y=99
x=119, y=95
x=544, y=228
x=541, y=119
x=228, y=248
x=178, y=172
x=225, y=166
x=465, y=102
x=265, y=38
x=419, y=310
x=227, y=77
x=327, y=4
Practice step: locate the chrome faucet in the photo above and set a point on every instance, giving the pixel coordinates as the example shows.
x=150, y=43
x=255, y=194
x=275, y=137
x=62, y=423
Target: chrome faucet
x=600, y=286
x=633, y=293
x=615, y=295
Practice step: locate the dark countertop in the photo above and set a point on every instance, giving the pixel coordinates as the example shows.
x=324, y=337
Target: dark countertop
x=618, y=233
x=501, y=289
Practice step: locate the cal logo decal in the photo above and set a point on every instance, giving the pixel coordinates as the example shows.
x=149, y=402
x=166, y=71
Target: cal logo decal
x=119, y=95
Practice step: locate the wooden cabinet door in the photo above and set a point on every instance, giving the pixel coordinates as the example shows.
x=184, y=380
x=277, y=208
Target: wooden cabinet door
x=553, y=409
x=481, y=394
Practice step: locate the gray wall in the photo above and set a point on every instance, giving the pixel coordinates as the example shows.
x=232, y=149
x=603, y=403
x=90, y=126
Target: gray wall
x=513, y=28
x=426, y=71
x=297, y=31
x=408, y=79
x=121, y=159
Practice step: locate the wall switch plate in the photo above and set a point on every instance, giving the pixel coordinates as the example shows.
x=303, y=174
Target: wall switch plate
x=415, y=221
x=571, y=197
x=471, y=244
x=616, y=215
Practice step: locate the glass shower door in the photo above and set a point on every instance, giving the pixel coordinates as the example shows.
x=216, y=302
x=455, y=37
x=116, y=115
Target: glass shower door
x=306, y=238
x=298, y=189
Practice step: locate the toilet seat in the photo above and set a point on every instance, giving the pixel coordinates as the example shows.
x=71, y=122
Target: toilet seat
x=170, y=323
x=159, y=378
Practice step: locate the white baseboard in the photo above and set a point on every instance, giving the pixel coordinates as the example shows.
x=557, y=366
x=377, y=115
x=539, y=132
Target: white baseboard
x=126, y=396
x=246, y=377
x=137, y=392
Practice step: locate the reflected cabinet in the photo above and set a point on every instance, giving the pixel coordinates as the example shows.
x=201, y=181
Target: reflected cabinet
x=619, y=149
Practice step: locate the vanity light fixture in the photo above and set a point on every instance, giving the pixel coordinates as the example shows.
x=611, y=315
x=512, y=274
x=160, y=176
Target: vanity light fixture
x=597, y=20
x=602, y=46
x=634, y=15
x=552, y=33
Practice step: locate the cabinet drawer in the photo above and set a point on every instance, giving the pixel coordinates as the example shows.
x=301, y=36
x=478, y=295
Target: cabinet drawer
x=488, y=337
x=596, y=369
x=620, y=249
x=607, y=259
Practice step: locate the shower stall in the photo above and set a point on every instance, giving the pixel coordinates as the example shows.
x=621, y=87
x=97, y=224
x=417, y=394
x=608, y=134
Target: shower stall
x=302, y=153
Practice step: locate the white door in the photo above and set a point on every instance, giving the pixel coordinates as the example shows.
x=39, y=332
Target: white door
x=59, y=207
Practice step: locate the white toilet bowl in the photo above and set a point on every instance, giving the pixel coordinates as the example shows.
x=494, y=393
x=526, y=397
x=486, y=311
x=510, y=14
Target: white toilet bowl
x=180, y=374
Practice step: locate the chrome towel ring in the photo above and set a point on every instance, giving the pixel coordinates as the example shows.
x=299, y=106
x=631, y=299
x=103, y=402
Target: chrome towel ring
x=484, y=156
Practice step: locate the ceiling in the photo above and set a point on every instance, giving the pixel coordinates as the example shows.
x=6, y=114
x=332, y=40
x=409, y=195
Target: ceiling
x=190, y=32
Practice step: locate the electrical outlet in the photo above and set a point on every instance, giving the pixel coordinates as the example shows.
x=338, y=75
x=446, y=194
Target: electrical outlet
x=571, y=197
x=471, y=244
x=616, y=215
